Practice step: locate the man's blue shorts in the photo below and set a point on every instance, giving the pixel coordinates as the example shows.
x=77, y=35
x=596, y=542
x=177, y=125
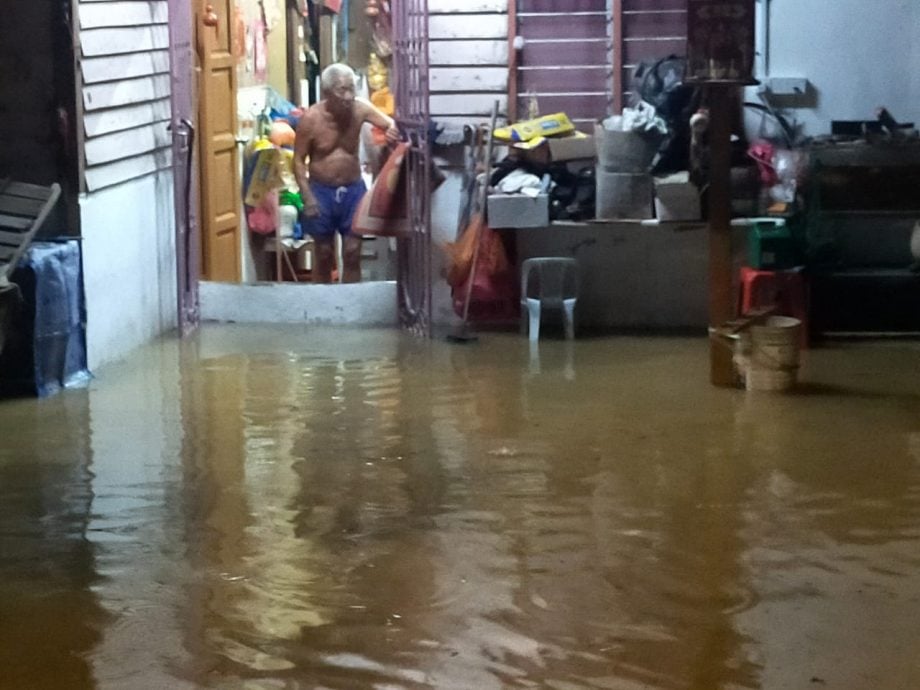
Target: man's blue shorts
x=337, y=207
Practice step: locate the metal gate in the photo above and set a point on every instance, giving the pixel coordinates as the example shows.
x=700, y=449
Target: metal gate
x=183, y=104
x=410, y=59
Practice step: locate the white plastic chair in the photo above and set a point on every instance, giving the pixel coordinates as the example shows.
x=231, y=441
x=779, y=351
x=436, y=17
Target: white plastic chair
x=552, y=283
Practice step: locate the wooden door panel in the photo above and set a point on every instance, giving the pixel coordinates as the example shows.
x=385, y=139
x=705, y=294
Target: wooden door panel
x=226, y=245
x=221, y=88
x=220, y=183
x=222, y=192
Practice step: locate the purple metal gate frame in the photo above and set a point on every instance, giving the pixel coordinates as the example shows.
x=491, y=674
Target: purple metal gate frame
x=183, y=116
x=410, y=59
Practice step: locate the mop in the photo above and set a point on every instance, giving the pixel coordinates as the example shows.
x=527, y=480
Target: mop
x=464, y=334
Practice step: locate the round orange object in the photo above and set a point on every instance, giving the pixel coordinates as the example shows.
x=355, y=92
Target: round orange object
x=282, y=134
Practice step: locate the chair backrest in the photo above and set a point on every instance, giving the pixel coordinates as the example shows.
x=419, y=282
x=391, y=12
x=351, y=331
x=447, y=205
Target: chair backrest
x=549, y=278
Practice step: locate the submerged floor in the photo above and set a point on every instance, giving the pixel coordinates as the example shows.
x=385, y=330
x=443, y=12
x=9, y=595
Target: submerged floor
x=281, y=507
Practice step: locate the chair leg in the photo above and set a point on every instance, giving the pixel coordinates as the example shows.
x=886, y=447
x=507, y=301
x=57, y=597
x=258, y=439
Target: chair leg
x=568, y=307
x=533, y=309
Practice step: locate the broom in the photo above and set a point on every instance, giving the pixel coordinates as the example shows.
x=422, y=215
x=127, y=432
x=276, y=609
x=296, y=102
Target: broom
x=463, y=334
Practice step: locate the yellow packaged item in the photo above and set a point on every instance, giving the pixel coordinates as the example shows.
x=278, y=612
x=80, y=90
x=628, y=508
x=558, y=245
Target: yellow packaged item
x=546, y=126
x=262, y=172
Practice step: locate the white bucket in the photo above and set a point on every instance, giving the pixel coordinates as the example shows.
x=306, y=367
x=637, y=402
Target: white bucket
x=769, y=357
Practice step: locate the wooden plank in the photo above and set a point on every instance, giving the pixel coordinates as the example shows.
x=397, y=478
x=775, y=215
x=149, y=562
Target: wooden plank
x=580, y=106
x=455, y=121
x=467, y=104
x=468, y=26
x=721, y=297
x=560, y=80
x=112, y=68
x=637, y=50
x=617, y=56
x=118, y=119
x=11, y=239
x=129, y=143
x=29, y=191
x=512, y=62
x=653, y=5
x=112, y=174
x=474, y=53
x=14, y=222
x=569, y=6
x=655, y=24
x=116, y=94
x=123, y=13
x=95, y=42
x=7, y=254
x=564, y=54
x=458, y=6
x=579, y=26
x=44, y=210
x=463, y=79
x=19, y=206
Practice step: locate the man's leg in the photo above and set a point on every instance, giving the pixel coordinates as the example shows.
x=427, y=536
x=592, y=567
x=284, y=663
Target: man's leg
x=351, y=258
x=323, y=258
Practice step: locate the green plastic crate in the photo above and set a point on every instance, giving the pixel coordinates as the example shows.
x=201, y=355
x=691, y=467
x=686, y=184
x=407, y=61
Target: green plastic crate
x=771, y=245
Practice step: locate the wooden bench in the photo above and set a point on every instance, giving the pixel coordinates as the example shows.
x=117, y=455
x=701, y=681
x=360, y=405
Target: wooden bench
x=24, y=208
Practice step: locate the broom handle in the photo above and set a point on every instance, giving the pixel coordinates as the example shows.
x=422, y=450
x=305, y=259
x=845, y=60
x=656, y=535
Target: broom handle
x=483, y=197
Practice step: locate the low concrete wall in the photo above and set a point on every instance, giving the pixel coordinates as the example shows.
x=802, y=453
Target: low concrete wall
x=634, y=276
x=357, y=304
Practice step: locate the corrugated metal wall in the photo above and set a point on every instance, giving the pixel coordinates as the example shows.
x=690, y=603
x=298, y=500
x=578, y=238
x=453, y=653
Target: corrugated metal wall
x=126, y=89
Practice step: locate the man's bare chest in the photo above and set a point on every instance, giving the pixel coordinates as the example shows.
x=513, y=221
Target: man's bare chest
x=331, y=138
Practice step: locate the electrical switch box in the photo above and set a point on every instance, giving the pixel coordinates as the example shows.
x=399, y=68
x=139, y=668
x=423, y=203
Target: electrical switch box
x=787, y=86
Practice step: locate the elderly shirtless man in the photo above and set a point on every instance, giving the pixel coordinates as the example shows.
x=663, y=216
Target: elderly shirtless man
x=328, y=136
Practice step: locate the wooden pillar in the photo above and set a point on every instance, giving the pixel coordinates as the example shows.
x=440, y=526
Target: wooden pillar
x=720, y=58
x=721, y=299
x=616, y=81
x=512, y=63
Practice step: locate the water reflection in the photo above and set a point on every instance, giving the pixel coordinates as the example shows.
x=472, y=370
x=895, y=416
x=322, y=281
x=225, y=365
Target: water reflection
x=268, y=507
x=48, y=565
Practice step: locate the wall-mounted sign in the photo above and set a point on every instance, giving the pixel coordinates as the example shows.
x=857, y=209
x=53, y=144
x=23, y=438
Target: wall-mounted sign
x=720, y=40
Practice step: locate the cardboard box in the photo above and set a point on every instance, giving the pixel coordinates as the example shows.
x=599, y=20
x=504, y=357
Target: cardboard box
x=556, y=149
x=623, y=195
x=518, y=211
x=626, y=152
x=676, y=198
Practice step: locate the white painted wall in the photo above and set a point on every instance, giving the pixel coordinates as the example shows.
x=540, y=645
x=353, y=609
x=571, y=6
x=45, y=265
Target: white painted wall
x=858, y=55
x=129, y=265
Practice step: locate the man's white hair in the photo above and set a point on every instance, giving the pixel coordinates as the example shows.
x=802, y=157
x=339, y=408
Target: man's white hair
x=337, y=72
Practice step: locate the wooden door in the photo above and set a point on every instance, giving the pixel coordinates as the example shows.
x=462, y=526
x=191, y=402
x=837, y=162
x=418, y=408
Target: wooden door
x=218, y=152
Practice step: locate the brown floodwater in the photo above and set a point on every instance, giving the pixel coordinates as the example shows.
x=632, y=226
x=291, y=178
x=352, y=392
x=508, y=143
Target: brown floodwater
x=291, y=507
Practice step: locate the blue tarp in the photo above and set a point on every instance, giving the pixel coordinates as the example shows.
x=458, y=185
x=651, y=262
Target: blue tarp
x=50, y=348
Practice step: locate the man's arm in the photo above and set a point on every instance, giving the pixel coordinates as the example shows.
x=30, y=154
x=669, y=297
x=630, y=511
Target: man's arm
x=301, y=152
x=379, y=119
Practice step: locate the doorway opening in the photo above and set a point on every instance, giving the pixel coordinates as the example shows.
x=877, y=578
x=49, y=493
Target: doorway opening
x=260, y=62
